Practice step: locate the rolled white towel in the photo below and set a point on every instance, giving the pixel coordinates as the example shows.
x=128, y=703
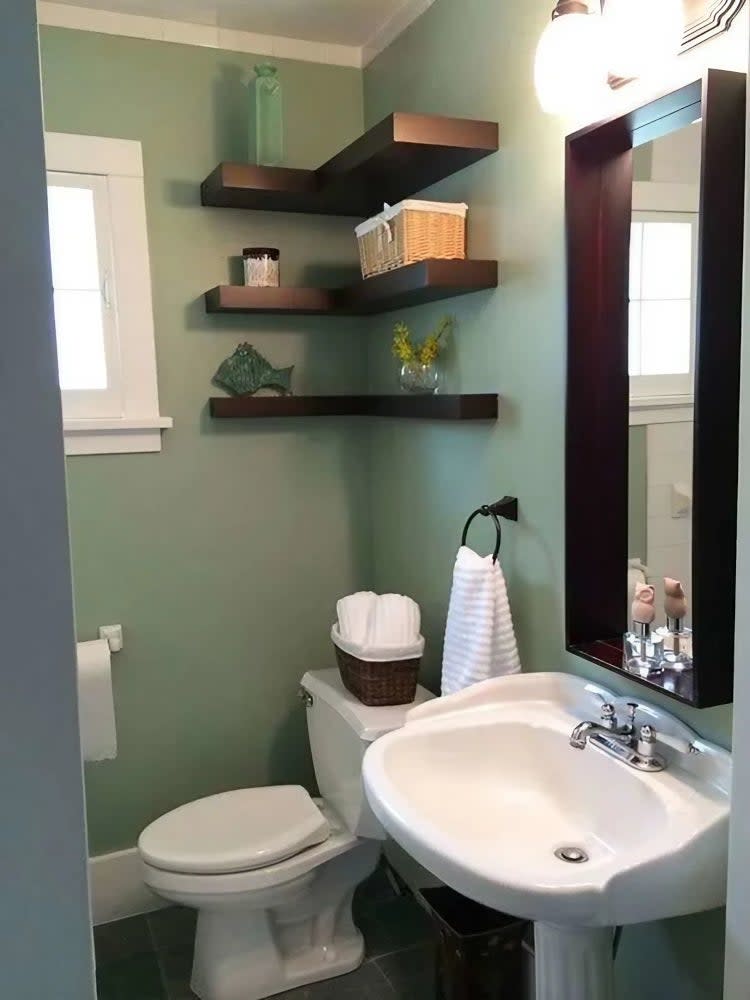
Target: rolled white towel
x=377, y=625
x=395, y=618
x=354, y=614
x=378, y=620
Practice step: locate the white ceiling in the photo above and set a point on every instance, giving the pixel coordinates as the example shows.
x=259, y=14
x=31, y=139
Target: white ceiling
x=344, y=22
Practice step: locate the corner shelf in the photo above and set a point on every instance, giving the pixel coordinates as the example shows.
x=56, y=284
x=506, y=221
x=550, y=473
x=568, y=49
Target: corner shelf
x=403, y=154
x=425, y=281
x=468, y=407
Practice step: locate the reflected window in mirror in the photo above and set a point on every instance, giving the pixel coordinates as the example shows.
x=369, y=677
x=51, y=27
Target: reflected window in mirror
x=664, y=271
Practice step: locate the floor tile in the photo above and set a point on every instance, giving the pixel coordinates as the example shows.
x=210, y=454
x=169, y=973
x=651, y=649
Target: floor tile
x=134, y=978
x=173, y=928
x=176, y=965
x=396, y=925
x=411, y=973
x=373, y=892
x=150, y=958
x=122, y=939
x=365, y=983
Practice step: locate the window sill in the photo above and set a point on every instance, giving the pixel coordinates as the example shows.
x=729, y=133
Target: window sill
x=111, y=436
x=660, y=410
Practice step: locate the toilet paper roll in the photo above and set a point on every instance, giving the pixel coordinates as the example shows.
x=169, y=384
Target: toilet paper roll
x=96, y=709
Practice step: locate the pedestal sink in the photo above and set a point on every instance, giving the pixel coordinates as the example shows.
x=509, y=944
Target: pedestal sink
x=483, y=788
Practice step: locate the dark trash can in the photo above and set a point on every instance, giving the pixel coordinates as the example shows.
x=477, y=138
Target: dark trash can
x=480, y=953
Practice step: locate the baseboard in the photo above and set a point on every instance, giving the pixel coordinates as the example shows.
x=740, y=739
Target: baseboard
x=117, y=889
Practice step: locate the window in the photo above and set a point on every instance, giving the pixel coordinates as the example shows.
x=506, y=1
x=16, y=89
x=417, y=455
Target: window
x=102, y=295
x=662, y=304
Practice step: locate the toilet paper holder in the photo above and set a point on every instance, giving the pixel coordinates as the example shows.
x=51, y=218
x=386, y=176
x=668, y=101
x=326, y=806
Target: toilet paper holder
x=113, y=635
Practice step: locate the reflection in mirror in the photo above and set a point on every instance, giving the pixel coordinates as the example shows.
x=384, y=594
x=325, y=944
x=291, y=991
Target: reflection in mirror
x=649, y=342
x=661, y=356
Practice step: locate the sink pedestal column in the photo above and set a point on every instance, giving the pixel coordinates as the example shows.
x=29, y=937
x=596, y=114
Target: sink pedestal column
x=573, y=963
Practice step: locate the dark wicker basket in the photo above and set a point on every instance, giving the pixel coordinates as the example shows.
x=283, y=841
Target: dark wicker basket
x=392, y=682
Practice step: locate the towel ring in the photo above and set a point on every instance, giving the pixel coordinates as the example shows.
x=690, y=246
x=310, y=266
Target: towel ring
x=507, y=508
x=485, y=512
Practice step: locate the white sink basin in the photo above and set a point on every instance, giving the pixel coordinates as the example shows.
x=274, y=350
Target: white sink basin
x=482, y=787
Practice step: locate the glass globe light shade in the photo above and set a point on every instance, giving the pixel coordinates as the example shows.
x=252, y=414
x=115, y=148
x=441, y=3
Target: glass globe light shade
x=641, y=34
x=571, y=63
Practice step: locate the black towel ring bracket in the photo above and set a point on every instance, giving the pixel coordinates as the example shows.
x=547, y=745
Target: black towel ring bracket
x=507, y=508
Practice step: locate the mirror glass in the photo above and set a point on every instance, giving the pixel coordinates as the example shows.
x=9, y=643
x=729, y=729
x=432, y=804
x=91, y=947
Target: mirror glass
x=661, y=349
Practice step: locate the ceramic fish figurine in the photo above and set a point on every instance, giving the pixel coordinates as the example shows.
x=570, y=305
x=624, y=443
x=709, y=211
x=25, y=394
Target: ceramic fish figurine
x=246, y=371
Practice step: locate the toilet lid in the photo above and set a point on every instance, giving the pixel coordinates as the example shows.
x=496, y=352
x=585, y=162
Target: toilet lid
x=235, y=831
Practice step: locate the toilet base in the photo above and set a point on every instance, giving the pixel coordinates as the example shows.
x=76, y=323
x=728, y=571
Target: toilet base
x=248, y=975
x=285, y=936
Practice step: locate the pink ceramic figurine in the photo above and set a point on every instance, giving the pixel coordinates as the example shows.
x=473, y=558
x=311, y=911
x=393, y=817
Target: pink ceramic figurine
x=643, y=610
x=675, y=602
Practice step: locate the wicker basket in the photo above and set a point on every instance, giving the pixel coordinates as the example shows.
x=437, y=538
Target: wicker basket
x=379, y=683
x=412, y=231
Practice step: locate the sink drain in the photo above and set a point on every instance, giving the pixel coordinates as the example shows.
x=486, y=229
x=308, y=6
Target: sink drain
x=573, y=855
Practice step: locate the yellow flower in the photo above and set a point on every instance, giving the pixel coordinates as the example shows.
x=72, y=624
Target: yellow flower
x=403, y=348
x=425, y=353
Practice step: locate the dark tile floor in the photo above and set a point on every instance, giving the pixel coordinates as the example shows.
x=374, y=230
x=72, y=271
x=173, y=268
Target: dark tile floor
x=149, y=957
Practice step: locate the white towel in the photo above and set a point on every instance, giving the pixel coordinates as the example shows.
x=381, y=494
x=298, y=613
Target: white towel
x=354, y=614
x=378, y=620
x=479, y=638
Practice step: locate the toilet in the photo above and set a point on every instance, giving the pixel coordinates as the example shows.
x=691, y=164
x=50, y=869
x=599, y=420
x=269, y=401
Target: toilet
x=272, y=871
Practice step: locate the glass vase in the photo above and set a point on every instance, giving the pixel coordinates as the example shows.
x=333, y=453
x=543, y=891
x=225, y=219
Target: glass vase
x=267, y=117
x=418, y=377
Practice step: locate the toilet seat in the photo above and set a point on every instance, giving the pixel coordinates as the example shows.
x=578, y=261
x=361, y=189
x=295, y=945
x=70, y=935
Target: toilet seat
x=238, y=831
x=200, y=887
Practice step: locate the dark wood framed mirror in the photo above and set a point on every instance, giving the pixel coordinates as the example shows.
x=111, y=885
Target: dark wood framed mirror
x=607, y=302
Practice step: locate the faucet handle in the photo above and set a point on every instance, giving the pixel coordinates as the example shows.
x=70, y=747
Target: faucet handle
x=608, y=715
x=649, y=737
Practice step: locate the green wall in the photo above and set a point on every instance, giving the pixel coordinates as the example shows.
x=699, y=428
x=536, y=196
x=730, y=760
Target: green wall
x=224, y=554
x=426, y=478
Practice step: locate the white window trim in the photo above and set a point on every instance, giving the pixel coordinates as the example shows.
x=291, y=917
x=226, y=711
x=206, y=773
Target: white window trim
x=121, y=162
x=660, y=410
x=655, y=196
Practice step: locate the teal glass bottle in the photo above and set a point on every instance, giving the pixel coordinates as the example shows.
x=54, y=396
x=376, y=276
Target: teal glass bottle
x=267, y=117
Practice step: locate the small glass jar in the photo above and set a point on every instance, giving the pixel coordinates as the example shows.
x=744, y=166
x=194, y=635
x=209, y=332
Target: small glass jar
x=678, y=644
x=261, y=267
x=643, y=651
x=418, y=377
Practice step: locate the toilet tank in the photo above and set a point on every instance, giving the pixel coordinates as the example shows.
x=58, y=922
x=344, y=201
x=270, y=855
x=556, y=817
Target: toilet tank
x=340, y=729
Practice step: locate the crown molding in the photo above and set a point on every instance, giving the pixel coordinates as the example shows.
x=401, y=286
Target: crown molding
x=392, y=28
x=157, y=29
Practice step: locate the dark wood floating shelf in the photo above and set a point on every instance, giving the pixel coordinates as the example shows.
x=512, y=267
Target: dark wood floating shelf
x=473, y=407
x=403, y=154
x=425, y=281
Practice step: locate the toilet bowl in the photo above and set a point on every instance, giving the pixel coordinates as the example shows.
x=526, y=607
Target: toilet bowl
x=272, y=871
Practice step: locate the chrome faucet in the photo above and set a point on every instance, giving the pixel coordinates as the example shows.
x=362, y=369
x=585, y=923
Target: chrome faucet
x=633, y=745
x=608, y=725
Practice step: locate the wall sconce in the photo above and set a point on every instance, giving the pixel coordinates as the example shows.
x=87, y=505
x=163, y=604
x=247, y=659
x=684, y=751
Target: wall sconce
x=641, y=34
x=581, y=50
